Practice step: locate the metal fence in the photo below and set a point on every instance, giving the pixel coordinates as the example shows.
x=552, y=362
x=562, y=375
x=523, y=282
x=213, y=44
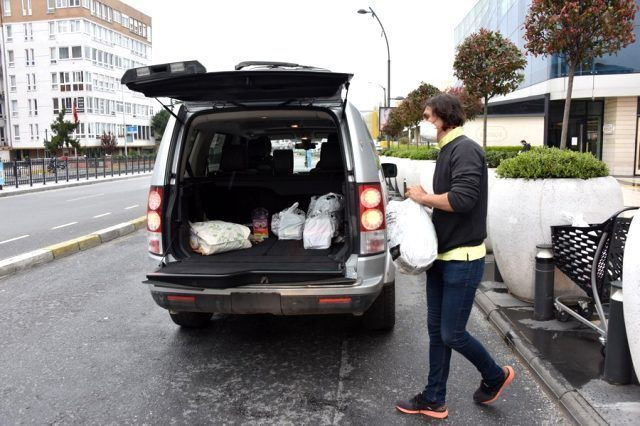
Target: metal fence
x=44, y=170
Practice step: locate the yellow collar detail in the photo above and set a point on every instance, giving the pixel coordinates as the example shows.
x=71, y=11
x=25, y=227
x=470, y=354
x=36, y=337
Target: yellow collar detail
x=454, y=133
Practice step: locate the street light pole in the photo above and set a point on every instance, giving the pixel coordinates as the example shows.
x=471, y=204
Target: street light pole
x=384, y=33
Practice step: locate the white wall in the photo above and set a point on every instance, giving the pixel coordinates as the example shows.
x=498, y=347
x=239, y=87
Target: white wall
x=619, y=143
x=503, y=131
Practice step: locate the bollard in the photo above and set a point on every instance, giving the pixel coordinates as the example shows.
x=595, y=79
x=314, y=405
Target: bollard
x=618, y=367
x=543, y=302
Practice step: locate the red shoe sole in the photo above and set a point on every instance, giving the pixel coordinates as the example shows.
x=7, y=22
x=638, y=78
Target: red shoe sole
x=510, y=376
x=433, y=414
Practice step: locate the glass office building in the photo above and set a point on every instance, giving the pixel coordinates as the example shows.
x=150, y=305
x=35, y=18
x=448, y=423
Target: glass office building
x=605, y=111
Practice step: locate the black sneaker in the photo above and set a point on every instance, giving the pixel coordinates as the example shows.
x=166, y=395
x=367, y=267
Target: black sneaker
x=416, y=405
x=487, y=394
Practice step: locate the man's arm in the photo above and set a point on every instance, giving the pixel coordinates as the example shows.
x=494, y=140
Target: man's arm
x=434, y=201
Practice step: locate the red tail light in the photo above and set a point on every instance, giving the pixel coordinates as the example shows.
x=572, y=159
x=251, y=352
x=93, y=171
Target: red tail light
x=154, y=219
x=372, y=219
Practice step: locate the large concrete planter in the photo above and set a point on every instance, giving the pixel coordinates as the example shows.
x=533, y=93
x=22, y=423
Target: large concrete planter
x=631, y=290
x=521, y=213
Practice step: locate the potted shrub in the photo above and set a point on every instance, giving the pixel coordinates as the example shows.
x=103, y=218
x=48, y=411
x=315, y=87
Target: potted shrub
x=532, y=192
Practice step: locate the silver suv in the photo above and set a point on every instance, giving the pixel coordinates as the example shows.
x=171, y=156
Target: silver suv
x=265, y=135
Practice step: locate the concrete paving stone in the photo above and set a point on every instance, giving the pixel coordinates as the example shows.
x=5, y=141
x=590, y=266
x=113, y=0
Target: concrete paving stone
x=505, y=300
x=25, y=260
x=64, y=249
x=551, y=377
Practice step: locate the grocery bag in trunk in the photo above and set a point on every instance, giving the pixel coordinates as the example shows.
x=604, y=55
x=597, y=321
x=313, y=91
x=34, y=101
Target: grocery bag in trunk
x=413, y=243
x=289, y=223
x=216, y=236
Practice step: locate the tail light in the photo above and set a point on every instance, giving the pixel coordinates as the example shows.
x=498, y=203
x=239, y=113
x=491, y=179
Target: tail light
x=154, y=219
x=373, y=234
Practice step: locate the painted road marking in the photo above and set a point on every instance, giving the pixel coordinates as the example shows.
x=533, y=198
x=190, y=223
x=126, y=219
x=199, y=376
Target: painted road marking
x=102, y=215
x=131, y=207
x=66, y=224
x=14, y=239
x=85, y=197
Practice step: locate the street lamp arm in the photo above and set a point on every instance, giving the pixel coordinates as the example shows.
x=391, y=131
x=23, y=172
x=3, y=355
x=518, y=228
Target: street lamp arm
x=384, y=33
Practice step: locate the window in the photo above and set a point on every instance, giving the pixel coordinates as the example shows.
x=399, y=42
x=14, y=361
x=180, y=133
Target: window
x=54, y=55
x=2, y=134
x=56, y=106
x=9, y=33
x=74, y=3
x=10, y=58
x=65, y=82
x=51, y=6
x=62, y=3
x=26, y=7
x=12, y=83
x=30, y=57
x=16, y=132
x=6, y=7
x=52, y=29
x=14, y=108
x=54, y=81
x=33, y=107
x=76, y=51
x=28, y=32
x=31, y=82
x=33, y=130
x=63, y=52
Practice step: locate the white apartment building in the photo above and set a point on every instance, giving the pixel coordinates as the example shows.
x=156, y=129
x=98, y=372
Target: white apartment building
x=71, y=54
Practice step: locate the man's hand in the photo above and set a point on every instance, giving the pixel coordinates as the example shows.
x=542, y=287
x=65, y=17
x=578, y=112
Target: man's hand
x=439, y=201
x=416, y=193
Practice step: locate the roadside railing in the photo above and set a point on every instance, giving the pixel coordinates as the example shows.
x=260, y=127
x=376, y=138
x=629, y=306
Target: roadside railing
x=43, y=170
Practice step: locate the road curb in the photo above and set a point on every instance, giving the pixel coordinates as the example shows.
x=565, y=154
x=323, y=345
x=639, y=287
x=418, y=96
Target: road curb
x=52, y=186
x=36, y=257
x=575, y=404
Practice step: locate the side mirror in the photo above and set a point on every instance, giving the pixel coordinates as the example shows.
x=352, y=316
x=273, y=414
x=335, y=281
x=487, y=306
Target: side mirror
x=389, y=170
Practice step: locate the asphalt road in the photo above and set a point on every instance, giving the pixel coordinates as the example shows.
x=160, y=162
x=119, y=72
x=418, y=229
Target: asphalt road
x=36, y=220
x=83, y=343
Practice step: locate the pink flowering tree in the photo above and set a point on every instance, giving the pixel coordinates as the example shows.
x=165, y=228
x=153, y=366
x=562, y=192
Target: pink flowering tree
x=578, y=31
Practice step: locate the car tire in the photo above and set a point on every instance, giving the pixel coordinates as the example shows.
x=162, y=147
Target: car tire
x=191, y=319
x=382, y=314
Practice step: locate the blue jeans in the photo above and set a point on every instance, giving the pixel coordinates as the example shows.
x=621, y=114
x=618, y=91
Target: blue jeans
x=451, y=288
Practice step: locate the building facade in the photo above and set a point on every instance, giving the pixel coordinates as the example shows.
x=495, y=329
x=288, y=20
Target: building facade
x=605, y=106
x=70, y=55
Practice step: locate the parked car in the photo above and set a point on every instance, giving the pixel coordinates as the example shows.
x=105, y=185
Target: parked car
x=209, y=166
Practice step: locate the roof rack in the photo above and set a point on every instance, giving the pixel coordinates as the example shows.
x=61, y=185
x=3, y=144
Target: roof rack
x=271, y=64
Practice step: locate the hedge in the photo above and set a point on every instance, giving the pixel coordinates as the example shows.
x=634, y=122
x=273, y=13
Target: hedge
x=546, y=163
x=494, y=154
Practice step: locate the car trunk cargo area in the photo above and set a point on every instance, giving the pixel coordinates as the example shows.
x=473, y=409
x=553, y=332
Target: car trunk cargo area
x=234, y=171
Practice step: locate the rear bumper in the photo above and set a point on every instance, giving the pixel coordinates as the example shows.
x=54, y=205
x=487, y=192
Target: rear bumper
x=338, y=296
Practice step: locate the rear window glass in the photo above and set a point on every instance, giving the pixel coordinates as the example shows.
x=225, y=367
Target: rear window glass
x=215, y=152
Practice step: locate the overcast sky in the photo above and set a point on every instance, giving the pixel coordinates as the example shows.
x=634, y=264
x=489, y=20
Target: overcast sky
x=325, y=33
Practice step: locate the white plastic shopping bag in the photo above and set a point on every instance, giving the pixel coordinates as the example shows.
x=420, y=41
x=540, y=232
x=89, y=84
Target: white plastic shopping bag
x=413, y=243
x=327, y=203
x=289, y=223
x=216, y=236
x=318, y=231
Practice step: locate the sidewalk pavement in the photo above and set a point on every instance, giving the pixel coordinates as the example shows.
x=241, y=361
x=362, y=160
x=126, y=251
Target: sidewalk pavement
x=630, y=191
x=566, y=357
x=38, y=187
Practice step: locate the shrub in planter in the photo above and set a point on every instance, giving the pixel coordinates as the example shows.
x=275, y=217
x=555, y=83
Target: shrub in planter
x=531, y=193
x=495, y=154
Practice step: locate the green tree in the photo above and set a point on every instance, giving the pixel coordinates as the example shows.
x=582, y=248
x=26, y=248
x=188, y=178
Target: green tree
x=489, y=65
x=412, y=107
x=472, y=105
x=159, y=122
x=578, y=31
x=108, y=143
x=62, y=131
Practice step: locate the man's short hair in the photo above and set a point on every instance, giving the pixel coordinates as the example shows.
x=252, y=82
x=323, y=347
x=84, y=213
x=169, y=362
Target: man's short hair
x=448, y=108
